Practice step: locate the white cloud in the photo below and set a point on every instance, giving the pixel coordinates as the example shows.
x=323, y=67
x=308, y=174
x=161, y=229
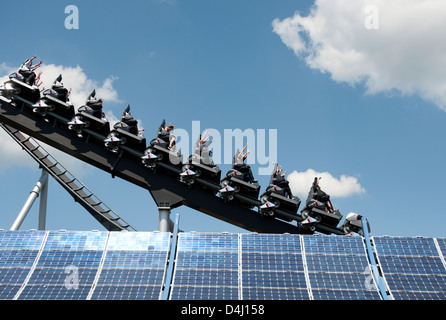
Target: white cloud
x=81, y=86
x=11, y=155
x=405, y=54
x=345, y=186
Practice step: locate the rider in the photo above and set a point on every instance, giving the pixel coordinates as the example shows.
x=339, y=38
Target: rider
x=240, y=165
x=317, y=194
x=201, y=150
x=278, y=179
x=60, y=89
x=96, y=105
x=166, y=134
x=27, y=71
x=128, y=120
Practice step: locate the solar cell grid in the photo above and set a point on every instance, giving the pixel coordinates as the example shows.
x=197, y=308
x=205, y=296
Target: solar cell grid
x=333, y=244
x=205, y=278
x=272, y=267
x=139, y=241
x=207, y=242
x=207, y=260
x=275, y=294
x=21, y=240
x=283, y=243
x=131, y=277
x=418, y=295
x=61, y=259
x=336, y=263
x=8, y=291
x=204, y=293
x=118, y=292
x=13, y=275
x=206, y=266
x=331, y=280
x=54, y=292
x=339, y=267
x=406, y=246
x=412, y=267
x=76, y=240
x=17, y=258
x=135, y=259
x=330, y=294
x=442, y=245
x=410, y=282
x=58, y=276
x=133, y=266
x=67, y=266
x=272, y=261
x=273, y=279
x=18, y=253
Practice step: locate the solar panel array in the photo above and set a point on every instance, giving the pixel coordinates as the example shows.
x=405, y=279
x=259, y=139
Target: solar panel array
x=93, y=265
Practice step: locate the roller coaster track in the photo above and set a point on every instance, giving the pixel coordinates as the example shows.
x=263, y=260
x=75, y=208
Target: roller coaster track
x=166, y=190
x=80, y=192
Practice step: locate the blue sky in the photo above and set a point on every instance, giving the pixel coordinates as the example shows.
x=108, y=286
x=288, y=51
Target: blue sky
x=364, y=108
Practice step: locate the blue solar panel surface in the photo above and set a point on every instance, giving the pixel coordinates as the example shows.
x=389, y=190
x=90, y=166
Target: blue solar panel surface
x=95, y=265
x=66, y=267
x=414, y=268
x=18, y=252
x=272, y=268
x=206, y=267
x=338, y=268
x=133, y=267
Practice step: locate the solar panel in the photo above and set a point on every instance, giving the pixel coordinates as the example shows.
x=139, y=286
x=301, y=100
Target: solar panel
x=133, y=267
x=272, y=267
x=412, y=267
x=67, y=266
x=442, y=244
x=127, y=265
x=18, y=252
x=338, y=268
x=206, y=267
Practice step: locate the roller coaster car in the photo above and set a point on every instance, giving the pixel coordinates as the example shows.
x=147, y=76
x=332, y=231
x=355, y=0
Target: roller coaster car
x=197, y=168
x=16, y=88
x=318, y=206
x=278, y=197
x=126, y=133
x=317, y=210
x=90, y=117
x=158, y=152
x=353, y=223
x=234, y=184
x=121, y=135
x=55, y=100
x=273, y=201
x=50, y=102
x=85, y=119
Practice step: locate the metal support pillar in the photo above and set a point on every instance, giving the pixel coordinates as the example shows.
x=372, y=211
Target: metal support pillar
x=164, y=219
x=43, y=202
x=28, y=204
